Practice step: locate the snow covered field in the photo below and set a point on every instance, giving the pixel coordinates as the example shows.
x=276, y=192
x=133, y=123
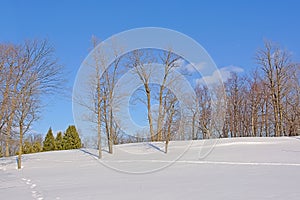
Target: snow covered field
x=239, y=168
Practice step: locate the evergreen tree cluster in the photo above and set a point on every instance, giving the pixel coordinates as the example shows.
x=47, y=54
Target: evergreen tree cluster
x=63, y=141
x=32, y=143
x=31, y=147
x=69, y=140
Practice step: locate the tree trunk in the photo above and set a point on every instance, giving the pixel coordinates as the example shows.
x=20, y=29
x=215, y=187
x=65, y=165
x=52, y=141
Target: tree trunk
x=166, y=146
x=266, y=121
x=150, y=120
x=8, y=135
x=20, y=146
x=169, y=128
x=159, y=120
x=99, y=119
x=107, y=125
x=193, y=127
x=111, y=131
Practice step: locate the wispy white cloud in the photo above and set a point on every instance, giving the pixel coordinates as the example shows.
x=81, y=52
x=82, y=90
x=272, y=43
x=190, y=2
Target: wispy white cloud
x=192, y=67
x=219, y=75
x=180, y=62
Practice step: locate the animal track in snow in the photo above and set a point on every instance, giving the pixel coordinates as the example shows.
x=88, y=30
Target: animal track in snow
x=35, y=194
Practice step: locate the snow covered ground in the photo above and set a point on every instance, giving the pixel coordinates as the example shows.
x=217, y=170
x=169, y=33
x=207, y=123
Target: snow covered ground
x=239, y=168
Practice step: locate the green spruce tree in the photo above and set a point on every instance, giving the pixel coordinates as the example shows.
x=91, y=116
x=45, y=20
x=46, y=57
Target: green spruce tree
x=71, y=139
x=59, y=141
x=49, y=142
x=27, y=147
x=36, y=147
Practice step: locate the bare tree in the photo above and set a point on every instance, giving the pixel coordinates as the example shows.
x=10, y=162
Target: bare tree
x=97, y=96
x=254, y=94
x=275, y=64
x=109, y=80
x=93, y=98
x=172, y=111
x=235, y=99
x=169, y=60
x=27, y=111
x=194, y=108
x=218, y=111
x=12, y=74
x=204, y=110
x=291, y=103
x=30, y=71
x=139, y=62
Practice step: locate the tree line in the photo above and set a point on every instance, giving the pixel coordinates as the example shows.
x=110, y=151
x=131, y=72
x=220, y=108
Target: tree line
x=34, y=143
x=262, y=103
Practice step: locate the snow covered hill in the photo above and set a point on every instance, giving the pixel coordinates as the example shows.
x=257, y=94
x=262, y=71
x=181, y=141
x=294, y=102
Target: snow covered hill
x=238, y=168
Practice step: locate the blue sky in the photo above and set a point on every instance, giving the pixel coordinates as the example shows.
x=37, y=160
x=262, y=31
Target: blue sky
x=231, y=31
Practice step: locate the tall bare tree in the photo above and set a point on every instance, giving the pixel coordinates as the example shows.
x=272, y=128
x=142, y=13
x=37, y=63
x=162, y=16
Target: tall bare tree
x=93, y=99
x=139, y=62
x=99, y=93
x=275, y=64
x=171, y=109
x=169, y=60
x=27, y=111
x=203, y=118
x=109, y=80
x=30, y=70
x=235, y=90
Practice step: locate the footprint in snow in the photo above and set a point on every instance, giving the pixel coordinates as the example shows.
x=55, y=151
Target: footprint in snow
x=35, y=194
